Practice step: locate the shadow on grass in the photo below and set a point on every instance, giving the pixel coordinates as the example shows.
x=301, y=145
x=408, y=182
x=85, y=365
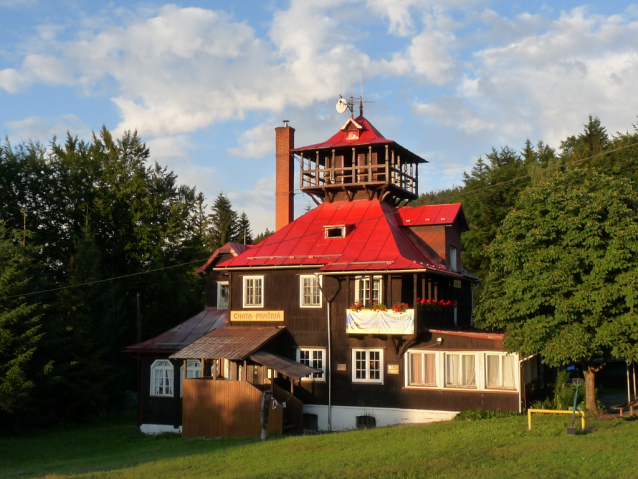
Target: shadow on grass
x=106, y=444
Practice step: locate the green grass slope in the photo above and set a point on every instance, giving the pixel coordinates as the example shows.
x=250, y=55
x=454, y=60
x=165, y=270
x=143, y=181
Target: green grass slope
x=496, y=448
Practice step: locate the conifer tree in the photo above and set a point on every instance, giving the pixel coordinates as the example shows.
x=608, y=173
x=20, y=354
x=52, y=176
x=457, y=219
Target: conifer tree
x=244, y=233
x=19, y=324
x=223, y=221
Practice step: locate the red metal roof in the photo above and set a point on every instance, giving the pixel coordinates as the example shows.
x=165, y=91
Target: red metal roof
x=433, y=215
x=232, y=342
x=368, y=135
x=375, y=241
x=235, y=248
x=185, y=333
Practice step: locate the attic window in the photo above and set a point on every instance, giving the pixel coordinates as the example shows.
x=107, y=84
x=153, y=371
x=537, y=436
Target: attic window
x=336, y=231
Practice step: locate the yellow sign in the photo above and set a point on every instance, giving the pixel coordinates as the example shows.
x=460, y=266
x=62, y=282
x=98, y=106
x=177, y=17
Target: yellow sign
x=256, y=315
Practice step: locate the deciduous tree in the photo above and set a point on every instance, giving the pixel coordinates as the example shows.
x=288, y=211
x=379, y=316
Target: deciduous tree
x=563, y=278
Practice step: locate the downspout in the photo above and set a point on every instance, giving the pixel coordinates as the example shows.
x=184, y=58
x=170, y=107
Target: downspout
x=328, y=309
x=520, y=382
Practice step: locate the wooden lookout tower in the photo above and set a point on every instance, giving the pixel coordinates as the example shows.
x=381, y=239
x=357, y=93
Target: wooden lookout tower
x=358, y=162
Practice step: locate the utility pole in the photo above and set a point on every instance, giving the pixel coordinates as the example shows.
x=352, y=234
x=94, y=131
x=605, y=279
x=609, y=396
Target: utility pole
x=139, y=320
x=24, y=231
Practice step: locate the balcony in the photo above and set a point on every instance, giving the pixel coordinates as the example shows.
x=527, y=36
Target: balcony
x=379, y=322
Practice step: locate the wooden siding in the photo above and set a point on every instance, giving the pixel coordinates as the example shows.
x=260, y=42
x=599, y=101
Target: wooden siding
x=229, y=409
x=160, y=409
x=307, y=327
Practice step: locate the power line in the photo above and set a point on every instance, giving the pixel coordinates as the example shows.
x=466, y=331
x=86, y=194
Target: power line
x=108, y=279
x=318, y=232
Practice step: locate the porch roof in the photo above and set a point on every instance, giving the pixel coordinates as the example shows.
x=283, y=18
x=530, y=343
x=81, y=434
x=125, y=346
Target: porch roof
x=231, y=342
x=183, y=334
x=285, y=366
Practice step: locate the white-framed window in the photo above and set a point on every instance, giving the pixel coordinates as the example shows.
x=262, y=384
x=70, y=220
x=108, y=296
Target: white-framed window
x=309, y=291
x=222, y=294
x=162, y=378
x=315, y=358
x=460, y=370
x=193, y=370
x=421, y=369
x=253, y=291
x=500, y=372
x=367, y=366
x=453, y=258
x=366, y=292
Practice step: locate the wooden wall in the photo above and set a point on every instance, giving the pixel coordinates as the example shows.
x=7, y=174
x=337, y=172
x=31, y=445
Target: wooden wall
x=229, y=409
x=307, y=327
x=156, y=409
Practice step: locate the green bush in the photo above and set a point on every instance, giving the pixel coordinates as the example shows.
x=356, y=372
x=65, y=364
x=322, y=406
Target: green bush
x=563, y=394
x=478, y=415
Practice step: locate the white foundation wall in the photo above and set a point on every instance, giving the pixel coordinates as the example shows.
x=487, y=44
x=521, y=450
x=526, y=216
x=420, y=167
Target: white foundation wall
x=159, y=429
x=345, y=417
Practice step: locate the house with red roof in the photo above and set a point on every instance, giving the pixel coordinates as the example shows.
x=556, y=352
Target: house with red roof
x=355, y=314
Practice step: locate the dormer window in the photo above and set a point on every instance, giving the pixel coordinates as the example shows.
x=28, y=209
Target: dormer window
x=352, y=135
x=336, y=231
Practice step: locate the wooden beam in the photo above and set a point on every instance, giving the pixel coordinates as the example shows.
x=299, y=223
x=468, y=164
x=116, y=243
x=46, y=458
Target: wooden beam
x=332, y=168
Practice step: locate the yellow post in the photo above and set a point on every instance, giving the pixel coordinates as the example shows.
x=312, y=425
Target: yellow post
x=552, y=411
x=529, y=419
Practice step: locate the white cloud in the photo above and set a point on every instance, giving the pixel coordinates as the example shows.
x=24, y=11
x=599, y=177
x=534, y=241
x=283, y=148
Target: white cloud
x=44, y=129
x=427, y=57
x=11, y=80
x=170, y=150
x=258, y=203
x=256, y=142
x=546, y=83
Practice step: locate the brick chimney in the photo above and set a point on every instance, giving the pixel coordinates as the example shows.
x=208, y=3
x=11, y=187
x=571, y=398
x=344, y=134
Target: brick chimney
x=284, y=197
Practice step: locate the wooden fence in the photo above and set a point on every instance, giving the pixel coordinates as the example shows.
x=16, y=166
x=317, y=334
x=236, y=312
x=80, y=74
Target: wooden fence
x=229, y=409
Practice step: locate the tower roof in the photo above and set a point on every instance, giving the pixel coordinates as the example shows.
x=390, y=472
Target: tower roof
x=367, y=135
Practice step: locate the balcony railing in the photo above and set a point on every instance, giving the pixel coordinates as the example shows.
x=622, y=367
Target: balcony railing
x=313, y=175
x=379, y=322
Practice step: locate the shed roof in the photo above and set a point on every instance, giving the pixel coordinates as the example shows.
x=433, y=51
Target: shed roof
x=433, y=215
x=376, y=241
x=183, y=334
x=283, y=365
x=231, y=342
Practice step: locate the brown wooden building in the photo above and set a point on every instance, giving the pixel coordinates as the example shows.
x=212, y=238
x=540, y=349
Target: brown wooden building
x=370, y=296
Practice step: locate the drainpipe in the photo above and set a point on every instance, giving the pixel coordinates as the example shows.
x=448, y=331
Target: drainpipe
x=520, y=379
x=329, y=361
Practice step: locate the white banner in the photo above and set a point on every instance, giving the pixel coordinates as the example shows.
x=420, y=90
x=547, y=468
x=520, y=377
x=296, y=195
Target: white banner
x=379, y=322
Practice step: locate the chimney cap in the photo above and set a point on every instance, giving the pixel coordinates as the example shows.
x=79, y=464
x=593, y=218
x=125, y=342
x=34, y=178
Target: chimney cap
x=285, y=122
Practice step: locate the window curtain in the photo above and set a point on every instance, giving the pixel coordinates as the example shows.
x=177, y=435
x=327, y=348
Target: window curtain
x=509, y=364
x=493, y=380
x=469, y=377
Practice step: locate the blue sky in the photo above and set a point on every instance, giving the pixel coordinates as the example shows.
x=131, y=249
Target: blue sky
x=206, y=82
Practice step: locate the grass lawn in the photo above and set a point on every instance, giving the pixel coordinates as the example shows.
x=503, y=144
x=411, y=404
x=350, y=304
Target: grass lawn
x=495, y=448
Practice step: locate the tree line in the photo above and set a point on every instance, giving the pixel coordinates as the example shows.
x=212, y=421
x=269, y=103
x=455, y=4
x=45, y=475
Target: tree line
x=72, y=216
x=554, y=239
